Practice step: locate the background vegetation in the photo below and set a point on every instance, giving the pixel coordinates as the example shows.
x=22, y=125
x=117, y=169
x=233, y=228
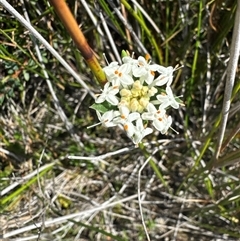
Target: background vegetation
x=44, y=195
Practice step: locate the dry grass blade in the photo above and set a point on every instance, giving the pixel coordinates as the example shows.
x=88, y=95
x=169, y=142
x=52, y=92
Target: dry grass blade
x=231, y=73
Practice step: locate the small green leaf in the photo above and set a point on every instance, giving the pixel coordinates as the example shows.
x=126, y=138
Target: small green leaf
x=102, y=107
x=26, y=75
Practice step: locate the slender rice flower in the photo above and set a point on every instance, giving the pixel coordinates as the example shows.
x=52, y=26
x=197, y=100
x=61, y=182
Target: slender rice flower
x=165, y=77
x=132, y=97
x=144, y=70
x=107, y=118
x=126, y=119
x=140, y=131
x=122, y=74
x=168, y=99
x=160, y=120
x=110, y=70
x=109, y=93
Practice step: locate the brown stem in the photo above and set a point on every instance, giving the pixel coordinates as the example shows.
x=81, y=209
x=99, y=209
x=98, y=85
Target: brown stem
x=75, y=32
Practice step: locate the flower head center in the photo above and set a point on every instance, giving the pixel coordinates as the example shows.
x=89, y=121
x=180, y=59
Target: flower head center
x=137, y=97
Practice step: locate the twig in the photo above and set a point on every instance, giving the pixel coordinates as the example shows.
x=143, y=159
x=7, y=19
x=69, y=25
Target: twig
x=111, y=41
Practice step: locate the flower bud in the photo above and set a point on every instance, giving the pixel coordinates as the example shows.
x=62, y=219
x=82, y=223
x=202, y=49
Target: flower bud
x=137, y=85
x=134, y=105
x=125, y=93
x=144, y=102
x=152, y=91
x=145, y=90
x=135, y=92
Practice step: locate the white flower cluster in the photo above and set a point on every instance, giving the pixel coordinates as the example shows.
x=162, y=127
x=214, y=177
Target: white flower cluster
x=133, y=99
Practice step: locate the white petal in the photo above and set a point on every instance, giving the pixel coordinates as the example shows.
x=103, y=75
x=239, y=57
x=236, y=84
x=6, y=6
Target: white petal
x=164, y=100
x=129, y=60
x=129, y=128
x=173, y=101
x=112, y=99
x=151, y=108
x=154, y=67
x=175, y=105
x=161, y=80
x=100, y=98
x=147, y=131
x=106, y=86
x=133, y=116
x=142, y=61
x=99, y=115
x=139, y=71
x=125, y=68
x=126, y=80
x=170, y=80
x=149, y=79
x=124, y=111
x=158, y=125
x=168, y=123
x=115, y=83
x=165, y=70
x=109, y=70
x=113, y=91
x=139, y=124
x=107, y=119
x=147, y=116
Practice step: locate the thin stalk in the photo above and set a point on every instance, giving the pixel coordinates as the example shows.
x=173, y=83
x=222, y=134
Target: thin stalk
x=111, y=17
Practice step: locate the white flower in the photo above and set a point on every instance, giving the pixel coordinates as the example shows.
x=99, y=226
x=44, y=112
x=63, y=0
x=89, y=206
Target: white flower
x=160, y=120
x=140, y=131
x=107, y=118
x=167, y=122
x=145, y=70
x=109, y=93
x=168, y=99
x=165, y=77
x=110, y=69
x=126, y=118
x=134, y=97
x=123, y=74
